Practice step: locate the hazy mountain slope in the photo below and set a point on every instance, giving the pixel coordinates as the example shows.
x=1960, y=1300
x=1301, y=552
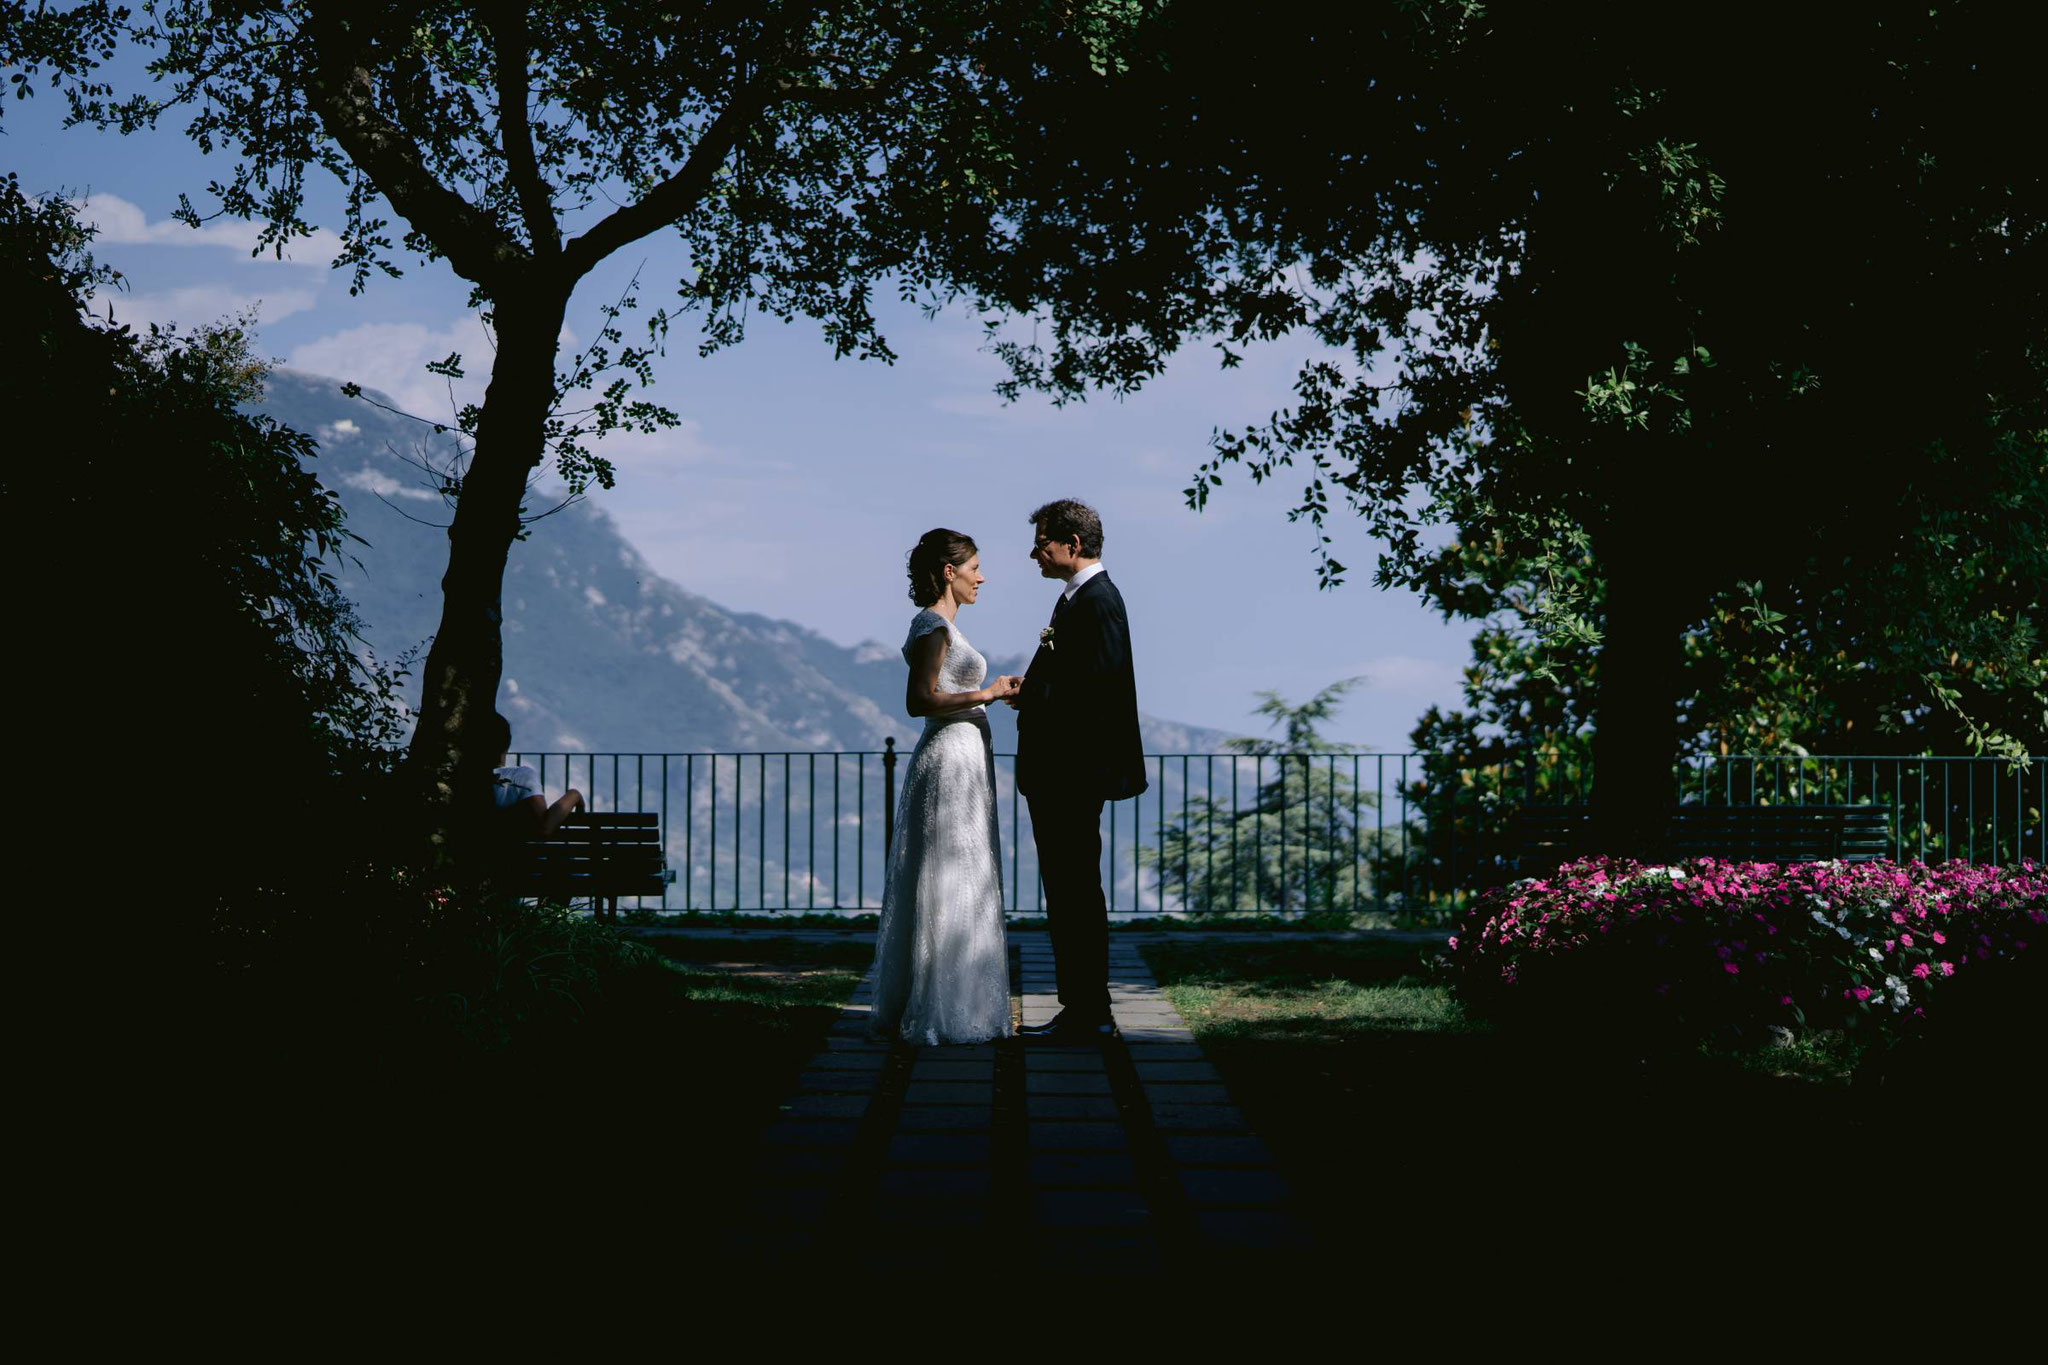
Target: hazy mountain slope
x=601, y=653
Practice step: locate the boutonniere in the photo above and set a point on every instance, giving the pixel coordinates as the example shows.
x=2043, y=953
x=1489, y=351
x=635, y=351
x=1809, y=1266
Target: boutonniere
x=1045, y=638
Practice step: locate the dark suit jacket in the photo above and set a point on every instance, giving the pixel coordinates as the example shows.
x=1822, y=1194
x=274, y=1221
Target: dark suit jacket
x=1077, y=718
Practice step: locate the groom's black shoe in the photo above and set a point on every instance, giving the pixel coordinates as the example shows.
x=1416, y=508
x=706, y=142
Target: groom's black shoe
x=1069, y=1026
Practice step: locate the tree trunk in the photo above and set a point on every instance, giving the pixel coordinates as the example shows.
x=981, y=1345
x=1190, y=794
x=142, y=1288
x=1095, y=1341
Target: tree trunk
x=459, y=684
x=1635, y=738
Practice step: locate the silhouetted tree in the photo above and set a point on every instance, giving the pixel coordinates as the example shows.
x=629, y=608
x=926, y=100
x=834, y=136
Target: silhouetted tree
x=212, y=726
x=805, y=152
x=1711, y=301
x=1297, y=844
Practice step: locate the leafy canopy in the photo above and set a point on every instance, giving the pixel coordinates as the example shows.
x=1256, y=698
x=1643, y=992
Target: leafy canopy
x=1588, y=282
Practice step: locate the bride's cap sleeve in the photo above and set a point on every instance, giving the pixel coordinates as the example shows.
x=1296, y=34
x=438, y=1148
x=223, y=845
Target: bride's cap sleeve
x=921, y=625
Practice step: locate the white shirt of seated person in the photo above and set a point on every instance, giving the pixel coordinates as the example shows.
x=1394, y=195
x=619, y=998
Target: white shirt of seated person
x=510, y=786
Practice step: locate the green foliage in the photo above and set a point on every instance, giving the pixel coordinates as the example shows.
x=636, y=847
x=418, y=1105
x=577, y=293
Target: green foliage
x=804, y=154
x=1298, y=844
x=62, y=45
x=1936, y=651
x=1713, y=947
x=160, y=439
x=1573, y=301
x=268, y=843
x=522, y=973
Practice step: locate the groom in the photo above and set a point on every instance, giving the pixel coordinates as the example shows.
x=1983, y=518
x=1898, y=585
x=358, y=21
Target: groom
x=1077, y=747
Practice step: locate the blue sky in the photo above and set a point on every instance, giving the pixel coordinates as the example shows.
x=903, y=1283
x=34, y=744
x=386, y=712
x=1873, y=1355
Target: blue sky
x=797, y=483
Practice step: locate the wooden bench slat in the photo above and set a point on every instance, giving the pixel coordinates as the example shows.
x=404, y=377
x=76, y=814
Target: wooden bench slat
x=1547, y=835
x=600, y=855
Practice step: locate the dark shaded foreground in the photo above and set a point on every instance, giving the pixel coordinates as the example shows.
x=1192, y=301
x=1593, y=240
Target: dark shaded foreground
x=1417, y=1148
x=619, y=1128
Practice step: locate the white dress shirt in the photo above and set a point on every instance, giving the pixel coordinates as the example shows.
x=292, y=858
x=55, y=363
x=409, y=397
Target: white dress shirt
x=1082, y=576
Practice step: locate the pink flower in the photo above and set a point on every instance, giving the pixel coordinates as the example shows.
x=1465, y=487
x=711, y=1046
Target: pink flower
x=1906, y=939
x=1857, y=993
x=1890, y=943
x=1731, y=968
x=1784, y=999
x=1938, y=936
x=1898, y=918
x=1920, y=970
x=1454, y=940
x=1948, y=969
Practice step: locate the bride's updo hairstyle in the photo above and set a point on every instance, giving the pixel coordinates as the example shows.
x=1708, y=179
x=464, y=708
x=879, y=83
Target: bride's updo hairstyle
x=934, y=551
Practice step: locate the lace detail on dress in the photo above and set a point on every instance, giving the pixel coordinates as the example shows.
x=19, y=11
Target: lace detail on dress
x=942, y=972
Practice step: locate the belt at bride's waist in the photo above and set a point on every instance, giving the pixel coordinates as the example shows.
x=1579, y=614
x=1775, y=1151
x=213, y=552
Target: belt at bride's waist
x=975, y=715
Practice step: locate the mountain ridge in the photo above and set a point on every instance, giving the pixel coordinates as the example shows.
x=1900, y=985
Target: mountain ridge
x=602, y=653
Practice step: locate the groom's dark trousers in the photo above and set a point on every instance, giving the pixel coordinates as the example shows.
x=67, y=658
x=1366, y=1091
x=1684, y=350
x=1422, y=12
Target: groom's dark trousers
x=1077, y=747
x=1069, y=837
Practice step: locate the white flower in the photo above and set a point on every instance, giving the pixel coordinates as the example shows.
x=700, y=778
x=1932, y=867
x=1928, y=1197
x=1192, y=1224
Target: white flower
x=1875, y=953
x=1840, y=930
x=1045, y=637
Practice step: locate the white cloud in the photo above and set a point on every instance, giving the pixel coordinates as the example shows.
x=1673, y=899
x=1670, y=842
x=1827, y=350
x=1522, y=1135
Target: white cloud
x=200, y=304
x=1406, y=675
x=121, y=223
x=391, y=357
x=992, y=407
x=665, y=451
x=384, y=486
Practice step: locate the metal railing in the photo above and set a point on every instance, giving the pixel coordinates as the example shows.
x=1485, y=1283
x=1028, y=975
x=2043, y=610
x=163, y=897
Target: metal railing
x=1281, y=833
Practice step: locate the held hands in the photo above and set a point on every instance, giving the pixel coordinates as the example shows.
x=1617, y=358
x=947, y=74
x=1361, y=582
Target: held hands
x=1006, y=689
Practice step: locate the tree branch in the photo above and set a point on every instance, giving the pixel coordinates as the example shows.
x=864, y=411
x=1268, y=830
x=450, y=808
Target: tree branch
x=341, y=94
x=673, y=197
x=907, y=63
x=510, y=43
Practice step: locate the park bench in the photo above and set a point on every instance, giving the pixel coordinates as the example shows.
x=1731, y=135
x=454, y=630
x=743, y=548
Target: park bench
x=1545, y=836
x=598, y=857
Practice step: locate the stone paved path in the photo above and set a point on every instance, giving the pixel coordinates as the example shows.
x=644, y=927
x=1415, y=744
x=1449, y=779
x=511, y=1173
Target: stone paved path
x=1129, y=1156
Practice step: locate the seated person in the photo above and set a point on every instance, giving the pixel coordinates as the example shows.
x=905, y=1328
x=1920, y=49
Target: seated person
x=517, y=789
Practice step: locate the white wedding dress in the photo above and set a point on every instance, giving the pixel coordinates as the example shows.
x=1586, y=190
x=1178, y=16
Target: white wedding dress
x=942, y=971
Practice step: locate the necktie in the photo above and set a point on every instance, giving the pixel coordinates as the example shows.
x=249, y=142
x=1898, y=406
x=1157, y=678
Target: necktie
x=1059, y=607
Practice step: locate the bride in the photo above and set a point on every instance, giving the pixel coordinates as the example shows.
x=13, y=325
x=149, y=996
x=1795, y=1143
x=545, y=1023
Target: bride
x=942, y=971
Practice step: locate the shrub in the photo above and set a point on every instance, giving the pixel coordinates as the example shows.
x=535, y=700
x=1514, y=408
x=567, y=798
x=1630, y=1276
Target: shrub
x=1707, y=947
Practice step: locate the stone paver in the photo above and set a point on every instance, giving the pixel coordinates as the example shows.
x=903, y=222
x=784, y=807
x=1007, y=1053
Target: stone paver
x=930, y=1148
x=1050, y=1170
x=1128, y=1156
x=1065, y=1136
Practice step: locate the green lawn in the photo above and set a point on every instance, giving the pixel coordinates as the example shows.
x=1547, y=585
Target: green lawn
x=613, y=1130
x=721, y=1045
x=1411, y=1130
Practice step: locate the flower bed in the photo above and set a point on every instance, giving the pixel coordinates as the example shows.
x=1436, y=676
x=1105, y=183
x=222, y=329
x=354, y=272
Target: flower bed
x=1705, y=946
